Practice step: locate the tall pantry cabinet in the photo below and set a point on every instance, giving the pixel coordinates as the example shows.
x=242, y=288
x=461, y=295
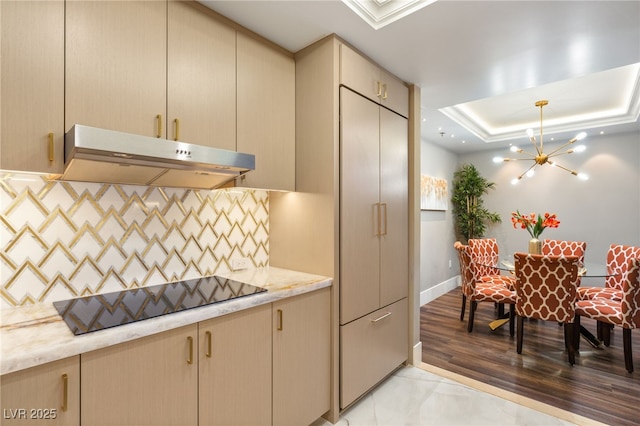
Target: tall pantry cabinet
x=349, y=216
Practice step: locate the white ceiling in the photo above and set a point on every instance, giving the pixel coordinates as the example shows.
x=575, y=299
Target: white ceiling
x=498, y=56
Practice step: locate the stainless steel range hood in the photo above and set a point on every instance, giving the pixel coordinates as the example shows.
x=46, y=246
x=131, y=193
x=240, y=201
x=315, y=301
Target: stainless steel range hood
x=98, y=155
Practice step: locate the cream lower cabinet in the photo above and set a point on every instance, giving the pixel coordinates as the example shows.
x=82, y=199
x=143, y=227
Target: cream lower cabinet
x=301, y=358
x=32, y=86
x=261, y=366
x=372, y=347
x=147, y=381
x=47, y=394
x=235, y=369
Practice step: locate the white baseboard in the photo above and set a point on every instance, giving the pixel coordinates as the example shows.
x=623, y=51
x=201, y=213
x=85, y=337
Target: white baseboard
x=438, y=290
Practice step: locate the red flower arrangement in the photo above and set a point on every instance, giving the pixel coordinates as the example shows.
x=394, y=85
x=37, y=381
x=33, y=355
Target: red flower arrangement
x=534, y=225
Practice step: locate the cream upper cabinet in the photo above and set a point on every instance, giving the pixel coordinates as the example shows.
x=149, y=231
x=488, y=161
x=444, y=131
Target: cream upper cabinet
x=374, y=206
x=116, y=65
x=46, y=394
x=266, y=114
x=32, y=86
x=148, y=381
x=201, y=78
x=235, y=368
x=361, y=75
x=301, y=358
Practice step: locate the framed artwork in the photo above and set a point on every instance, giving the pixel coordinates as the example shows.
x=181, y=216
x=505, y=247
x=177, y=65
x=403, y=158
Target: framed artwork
x=434, y=194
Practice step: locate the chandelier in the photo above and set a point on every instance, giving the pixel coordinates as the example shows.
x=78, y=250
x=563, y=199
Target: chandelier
x=539, y=157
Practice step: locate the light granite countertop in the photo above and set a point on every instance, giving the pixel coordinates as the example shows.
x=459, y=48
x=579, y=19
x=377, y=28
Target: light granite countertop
x=36, y=334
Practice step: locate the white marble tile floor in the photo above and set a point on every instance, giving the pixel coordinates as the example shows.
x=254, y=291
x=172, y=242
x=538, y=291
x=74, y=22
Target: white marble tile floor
x=430, y=396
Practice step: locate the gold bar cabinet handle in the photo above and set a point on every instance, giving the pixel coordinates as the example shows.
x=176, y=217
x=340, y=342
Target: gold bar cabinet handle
x=176, y=122
x=388, y=314
x=190, y=358
x=208, y=334
x=384, y=94
x=379, y=90
x=378, y=221
x=51, y=150
x=385, y=219
x=65, y=391
x=280, y=320
x=159, y=123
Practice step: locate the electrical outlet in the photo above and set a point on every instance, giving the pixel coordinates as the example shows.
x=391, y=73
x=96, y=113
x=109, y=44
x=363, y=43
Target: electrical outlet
x=240, y=263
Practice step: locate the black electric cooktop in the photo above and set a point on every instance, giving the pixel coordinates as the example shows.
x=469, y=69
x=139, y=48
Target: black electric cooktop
x=92, y=313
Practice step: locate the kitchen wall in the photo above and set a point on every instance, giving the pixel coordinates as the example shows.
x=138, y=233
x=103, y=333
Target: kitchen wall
x=600, y=211
x=67, y=239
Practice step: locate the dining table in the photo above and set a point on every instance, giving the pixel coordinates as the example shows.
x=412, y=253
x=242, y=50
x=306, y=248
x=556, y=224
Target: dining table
x=586, y=270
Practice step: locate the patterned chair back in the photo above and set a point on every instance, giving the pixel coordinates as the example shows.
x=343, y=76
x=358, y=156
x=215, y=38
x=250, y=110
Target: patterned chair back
x=546, y=286
x=564, y=248
x=484, y=253
x=618, y=258
x=631, y=295
x=466, y=272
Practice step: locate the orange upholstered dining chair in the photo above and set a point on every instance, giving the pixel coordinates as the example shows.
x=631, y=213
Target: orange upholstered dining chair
x=476, y=290
x=484, y=254
x=564, y=248
x=618, y=257
x=546, y=290
x=623, y=311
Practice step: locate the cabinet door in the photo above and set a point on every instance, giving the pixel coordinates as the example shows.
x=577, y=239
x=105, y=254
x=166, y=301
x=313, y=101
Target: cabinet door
x=148, y=381
x=235, y=368
x=32, y=86
x=46, y=394
x=360, y=219
x=116, y=59
x=363, y=76
x=394, y=184
x=266, y=114
x=371, y=348
x=301, y=358
x=395, y=95
x=201, y=78
x=360, y=74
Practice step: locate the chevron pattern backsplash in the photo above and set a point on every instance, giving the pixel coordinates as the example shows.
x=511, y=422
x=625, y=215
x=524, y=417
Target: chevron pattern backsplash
x=66, y=239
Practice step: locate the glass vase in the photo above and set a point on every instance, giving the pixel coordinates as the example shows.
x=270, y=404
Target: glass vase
x=535, y=246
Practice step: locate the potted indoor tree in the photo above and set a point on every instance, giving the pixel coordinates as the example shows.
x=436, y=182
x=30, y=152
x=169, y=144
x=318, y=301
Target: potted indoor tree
x=471, y=217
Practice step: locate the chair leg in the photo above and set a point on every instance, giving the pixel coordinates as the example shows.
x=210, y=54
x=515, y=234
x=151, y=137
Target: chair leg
x=568, y=341
x=472, y=310
x=599, y=330
x=576, y=333
x=606, y=333
x=628, y=355
x=512, y=314
x=464, y=305
x=520, y=328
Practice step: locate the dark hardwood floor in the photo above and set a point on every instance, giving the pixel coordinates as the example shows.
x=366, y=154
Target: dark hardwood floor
x=597, y=386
